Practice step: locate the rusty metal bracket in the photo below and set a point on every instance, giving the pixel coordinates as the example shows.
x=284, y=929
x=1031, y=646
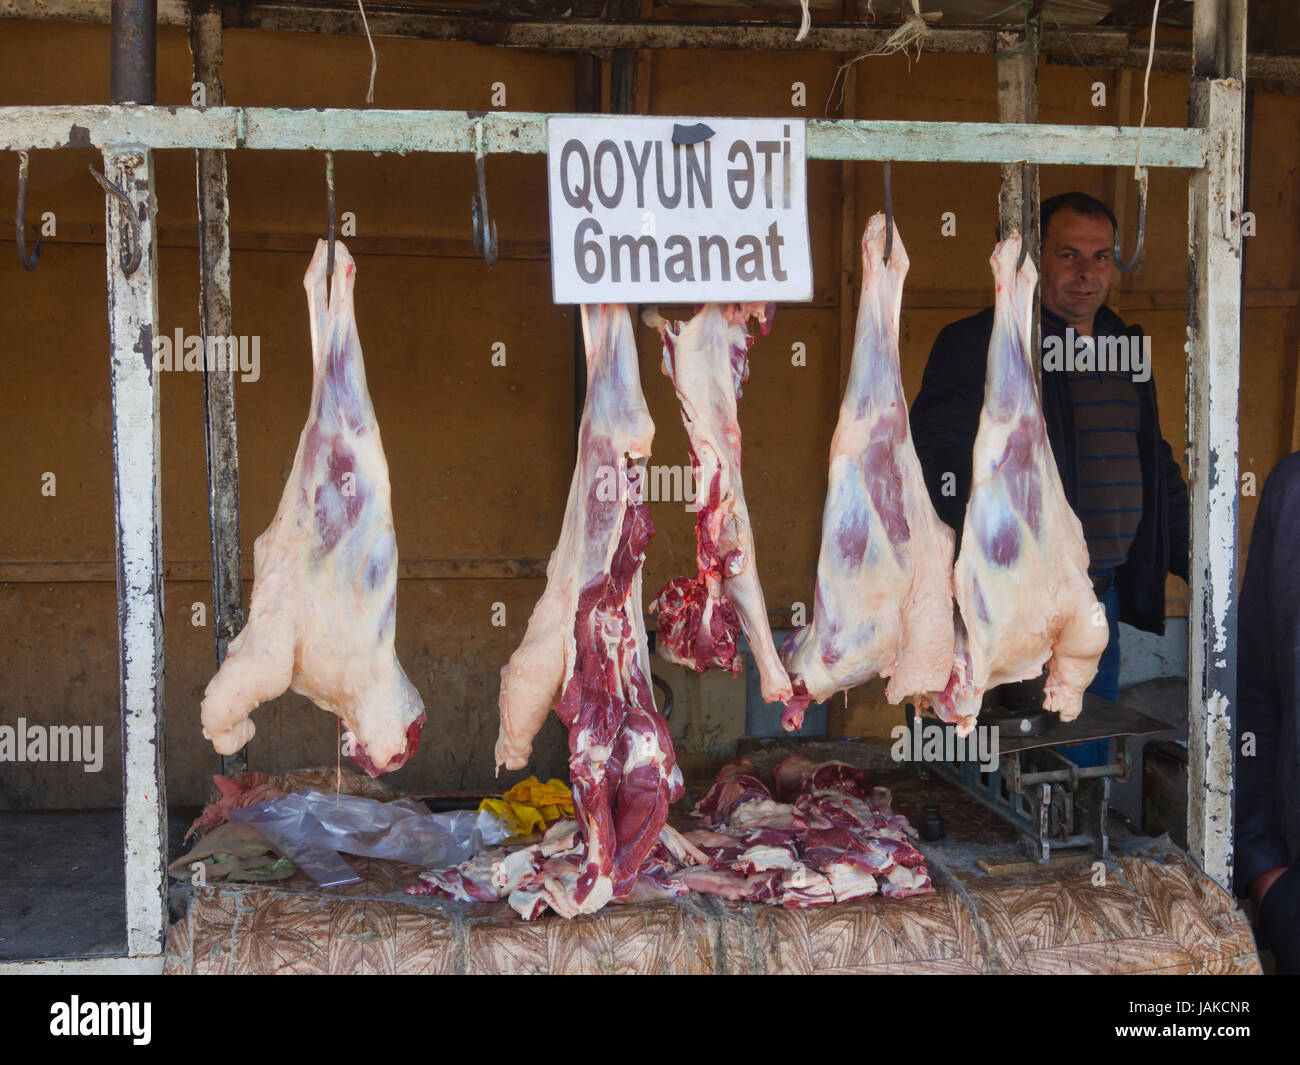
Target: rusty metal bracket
x=1026, y=214
x=889, y=212
x=1120, y=264
x=485, y=226
x=20, y=219
x=329, y=200
x=131, y=250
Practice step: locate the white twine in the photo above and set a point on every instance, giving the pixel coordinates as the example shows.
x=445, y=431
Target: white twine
x=1146, y=92
x=374, y=61
x=806, y=24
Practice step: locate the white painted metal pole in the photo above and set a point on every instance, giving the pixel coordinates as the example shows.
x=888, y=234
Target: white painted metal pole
x=133, y=323
x=1213, y=374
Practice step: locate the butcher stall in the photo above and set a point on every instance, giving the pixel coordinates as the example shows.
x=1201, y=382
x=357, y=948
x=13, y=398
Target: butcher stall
x=572, y=732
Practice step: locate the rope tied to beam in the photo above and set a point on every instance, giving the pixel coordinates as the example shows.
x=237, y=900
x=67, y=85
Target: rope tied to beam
x=910, y=36
x=374, y=60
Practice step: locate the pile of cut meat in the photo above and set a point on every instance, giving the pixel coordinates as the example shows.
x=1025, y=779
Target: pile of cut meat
x=822, y=834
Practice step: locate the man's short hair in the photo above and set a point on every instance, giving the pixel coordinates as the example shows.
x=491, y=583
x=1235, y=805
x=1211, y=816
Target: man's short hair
x=1080, y=203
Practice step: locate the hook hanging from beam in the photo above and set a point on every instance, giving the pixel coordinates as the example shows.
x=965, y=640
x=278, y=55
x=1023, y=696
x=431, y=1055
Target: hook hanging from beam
x=329, y=206
x=1026, y=214
x=20, y=219
x=485, y=226
x=131, y=249
x=1120, y=264
x=889, y=212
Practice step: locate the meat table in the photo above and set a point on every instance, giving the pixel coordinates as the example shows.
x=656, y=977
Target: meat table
x=1154, y=913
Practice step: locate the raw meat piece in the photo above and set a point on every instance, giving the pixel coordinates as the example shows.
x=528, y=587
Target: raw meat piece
x=883, y=604
x=903, y=882
x=705, y=840
x=801, y=886
x=454, y=883
x=848, y=882
x=325, y=570
x=679, y=848
x=654, y=887
x=761, y=858
x=235, y=794
x=707, y=359
x=585, y=650
x=735, y=784
x=766, y=813
x=798, y=775
x=1022, y=576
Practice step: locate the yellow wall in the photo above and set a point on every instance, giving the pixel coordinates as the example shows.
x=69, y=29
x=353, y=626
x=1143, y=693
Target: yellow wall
x=480, y=457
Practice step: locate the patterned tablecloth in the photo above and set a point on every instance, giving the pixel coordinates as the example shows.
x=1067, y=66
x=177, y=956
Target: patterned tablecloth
x=1154, y=913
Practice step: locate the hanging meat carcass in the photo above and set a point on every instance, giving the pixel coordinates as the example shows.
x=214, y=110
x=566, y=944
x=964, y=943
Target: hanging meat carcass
x=1021, y=578
x=585, y=650
x=883, y=603
x=324, y=598
x=707, y=359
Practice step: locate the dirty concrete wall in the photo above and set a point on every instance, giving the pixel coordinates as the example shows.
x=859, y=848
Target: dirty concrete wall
x=481, y=456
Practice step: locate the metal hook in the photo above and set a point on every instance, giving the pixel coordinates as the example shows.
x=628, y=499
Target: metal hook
x=889, y=213
x=485, y=227
x=329, y=200
x=129, y=260
x=1120, y=264
x=1026, y=215
x=20, y=219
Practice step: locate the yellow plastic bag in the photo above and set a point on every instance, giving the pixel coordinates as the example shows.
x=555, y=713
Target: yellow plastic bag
x=530, y=805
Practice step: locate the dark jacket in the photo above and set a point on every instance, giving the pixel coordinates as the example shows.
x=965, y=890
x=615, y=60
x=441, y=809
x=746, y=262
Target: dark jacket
x=1268, y=683
x=946, y=415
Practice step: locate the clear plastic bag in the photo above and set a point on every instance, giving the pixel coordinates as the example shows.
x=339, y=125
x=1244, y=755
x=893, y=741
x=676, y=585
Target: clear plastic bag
x=312, y=827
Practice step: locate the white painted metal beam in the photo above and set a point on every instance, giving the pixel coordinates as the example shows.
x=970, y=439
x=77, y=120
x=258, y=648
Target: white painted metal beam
x=133, y=323
x=376, y=130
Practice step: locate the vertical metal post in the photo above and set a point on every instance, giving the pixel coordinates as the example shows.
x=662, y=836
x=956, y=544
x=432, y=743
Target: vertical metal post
x=133, y=51
x=133, y=323
x=622, y=67
x=1213, y=370
x=218, y=384
x=850, y=239
x=586, y=98
x=1018, y=102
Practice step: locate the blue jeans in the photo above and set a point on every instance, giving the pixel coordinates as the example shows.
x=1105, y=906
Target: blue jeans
x=1105, y=684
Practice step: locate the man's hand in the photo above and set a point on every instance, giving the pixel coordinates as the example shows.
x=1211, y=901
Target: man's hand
x=1260, y=885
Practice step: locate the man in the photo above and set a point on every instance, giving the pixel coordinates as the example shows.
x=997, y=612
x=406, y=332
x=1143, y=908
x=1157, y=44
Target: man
x=1118, y=472
x=1268, y=705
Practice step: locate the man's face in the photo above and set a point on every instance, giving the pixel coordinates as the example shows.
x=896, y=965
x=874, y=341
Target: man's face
x=1078, y=265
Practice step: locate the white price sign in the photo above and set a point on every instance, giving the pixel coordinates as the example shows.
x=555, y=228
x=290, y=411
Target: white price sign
x=678, y=210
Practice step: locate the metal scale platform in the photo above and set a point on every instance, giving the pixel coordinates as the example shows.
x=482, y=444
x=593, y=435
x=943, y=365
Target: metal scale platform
x=1051, y=802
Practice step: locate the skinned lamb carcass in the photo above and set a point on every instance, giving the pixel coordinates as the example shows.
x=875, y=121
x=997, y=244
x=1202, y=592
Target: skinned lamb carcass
x=324, y=598
x=707, y=360
x=1021, y=578
x=883, y=603
x=585, y=650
